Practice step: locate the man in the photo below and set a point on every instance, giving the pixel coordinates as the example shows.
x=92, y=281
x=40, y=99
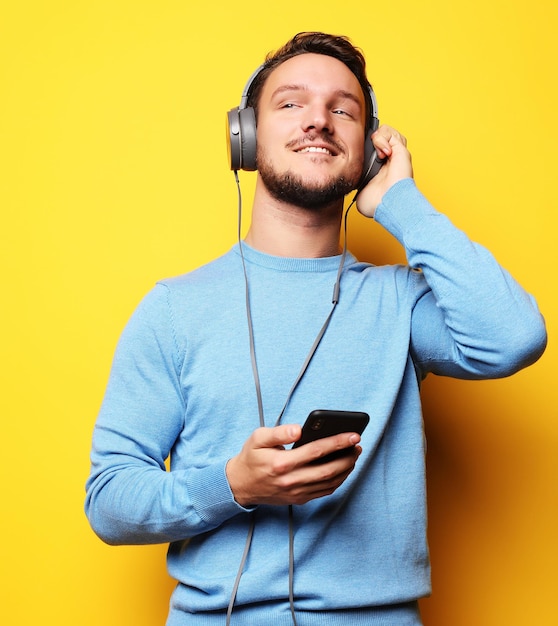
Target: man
x=219, y=369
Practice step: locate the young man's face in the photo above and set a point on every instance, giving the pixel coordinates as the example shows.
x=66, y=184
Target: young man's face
x=310, y=132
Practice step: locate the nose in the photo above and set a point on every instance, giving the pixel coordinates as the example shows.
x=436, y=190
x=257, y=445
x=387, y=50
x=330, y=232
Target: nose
x=317, y=117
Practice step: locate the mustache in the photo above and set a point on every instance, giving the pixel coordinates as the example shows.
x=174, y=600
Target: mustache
x=323, y=138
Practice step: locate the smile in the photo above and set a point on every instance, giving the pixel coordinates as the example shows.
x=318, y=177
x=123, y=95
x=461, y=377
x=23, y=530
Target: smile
x=315, y=149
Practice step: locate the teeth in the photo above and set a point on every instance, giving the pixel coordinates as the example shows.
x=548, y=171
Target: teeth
x=315, y=149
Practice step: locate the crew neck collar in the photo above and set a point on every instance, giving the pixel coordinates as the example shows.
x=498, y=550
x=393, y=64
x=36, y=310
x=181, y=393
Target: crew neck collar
x=292, y=264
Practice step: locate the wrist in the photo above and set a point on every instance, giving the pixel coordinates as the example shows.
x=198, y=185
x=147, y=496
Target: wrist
x=239, y=493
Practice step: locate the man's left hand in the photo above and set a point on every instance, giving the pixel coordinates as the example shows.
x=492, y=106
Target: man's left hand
x=392, y=146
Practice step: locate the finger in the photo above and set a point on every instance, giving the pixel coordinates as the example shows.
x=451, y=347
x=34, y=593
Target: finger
x=310, y=490
x=276, y=437
x=316, y=450
x=385, y=139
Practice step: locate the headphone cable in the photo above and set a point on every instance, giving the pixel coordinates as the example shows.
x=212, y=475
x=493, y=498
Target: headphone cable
x=335, y=300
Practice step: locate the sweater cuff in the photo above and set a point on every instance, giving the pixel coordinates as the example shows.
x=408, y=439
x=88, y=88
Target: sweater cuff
x=402, y=207
x=211, y=494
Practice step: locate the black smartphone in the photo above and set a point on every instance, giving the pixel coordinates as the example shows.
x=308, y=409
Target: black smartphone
x=324, y=423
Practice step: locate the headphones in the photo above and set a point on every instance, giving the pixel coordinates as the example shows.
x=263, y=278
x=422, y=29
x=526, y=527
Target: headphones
x=241, y=136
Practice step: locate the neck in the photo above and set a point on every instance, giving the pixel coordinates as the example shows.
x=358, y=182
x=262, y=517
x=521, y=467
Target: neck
x=283, y=229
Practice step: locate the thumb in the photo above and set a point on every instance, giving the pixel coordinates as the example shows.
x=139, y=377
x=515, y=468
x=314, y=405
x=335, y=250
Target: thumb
x=277, y=437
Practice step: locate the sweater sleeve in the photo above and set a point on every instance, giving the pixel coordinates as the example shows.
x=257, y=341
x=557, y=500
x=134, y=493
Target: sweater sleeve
x=474, y=320
x=131, y=498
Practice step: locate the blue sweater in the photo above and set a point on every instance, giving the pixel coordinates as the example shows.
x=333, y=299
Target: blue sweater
x=182, y=385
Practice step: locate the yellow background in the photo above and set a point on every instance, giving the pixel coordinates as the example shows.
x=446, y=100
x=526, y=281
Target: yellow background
x=114, y=173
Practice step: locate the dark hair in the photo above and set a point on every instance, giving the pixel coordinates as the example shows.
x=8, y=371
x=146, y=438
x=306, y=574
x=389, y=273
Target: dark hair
x=335, y=46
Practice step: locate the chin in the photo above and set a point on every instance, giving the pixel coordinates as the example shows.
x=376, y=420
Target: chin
x=306, y=191
x=296, y=190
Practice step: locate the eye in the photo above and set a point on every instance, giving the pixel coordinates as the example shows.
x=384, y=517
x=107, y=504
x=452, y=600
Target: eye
x=343, y=112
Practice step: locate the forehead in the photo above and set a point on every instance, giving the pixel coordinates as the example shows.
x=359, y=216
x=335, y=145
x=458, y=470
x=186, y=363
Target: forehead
x=317, y=73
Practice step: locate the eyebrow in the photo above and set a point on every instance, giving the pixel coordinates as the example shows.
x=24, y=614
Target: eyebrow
x=340, y=93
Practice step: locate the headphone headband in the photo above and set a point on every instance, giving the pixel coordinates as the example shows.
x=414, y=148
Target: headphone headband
x=246, y=92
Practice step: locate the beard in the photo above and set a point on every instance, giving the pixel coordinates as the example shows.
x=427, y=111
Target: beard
x=292, y=188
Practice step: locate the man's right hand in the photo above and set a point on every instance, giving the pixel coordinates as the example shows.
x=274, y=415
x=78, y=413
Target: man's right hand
x=265, y=473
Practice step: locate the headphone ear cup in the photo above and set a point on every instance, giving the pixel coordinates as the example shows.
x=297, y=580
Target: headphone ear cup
x=241, y=139
x=234, y=148
x=247, y=119
x=372, y=163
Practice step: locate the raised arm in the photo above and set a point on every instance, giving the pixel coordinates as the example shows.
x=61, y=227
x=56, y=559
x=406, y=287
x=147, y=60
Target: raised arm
x=474, y=320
